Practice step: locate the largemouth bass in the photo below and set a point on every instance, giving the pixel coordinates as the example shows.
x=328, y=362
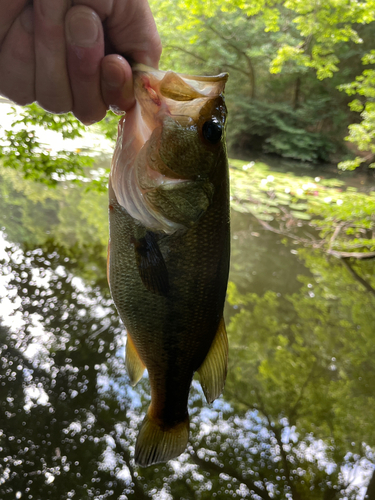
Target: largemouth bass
x=168, y=256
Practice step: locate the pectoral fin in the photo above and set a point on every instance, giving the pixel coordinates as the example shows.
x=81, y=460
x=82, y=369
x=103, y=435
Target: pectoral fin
x=151, y=265
x=133, y=362
x=213, y=371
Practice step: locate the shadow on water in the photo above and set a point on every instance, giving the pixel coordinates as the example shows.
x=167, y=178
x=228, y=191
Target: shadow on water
x=297, y=419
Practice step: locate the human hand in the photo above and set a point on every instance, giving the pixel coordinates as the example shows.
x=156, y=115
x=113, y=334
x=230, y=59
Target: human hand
x=53, y=52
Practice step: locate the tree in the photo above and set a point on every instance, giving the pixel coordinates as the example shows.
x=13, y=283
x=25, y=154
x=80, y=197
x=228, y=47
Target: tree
x=293, y=39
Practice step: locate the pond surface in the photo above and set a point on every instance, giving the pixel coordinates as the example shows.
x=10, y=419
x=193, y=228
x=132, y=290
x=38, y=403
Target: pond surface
x=297, y=418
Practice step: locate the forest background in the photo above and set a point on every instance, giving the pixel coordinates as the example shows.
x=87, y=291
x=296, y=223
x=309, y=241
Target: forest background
x=301, y=80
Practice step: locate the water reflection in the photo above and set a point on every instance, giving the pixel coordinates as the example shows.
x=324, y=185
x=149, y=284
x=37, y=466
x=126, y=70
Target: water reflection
x=297, y=420
x=298, y=415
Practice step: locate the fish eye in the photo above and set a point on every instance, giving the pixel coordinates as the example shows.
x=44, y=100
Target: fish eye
x=212, y=131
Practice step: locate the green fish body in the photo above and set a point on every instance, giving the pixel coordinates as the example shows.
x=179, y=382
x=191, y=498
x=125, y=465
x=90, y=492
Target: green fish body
x=168, y=256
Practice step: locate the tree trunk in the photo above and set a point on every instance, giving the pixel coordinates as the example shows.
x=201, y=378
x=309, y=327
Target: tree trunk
x=297, y=89
x=370, y=493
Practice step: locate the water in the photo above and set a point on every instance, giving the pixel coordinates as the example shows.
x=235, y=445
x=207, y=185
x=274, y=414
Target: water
x=297, y=418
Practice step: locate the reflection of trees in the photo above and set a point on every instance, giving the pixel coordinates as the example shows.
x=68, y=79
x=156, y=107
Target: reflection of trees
x=300, y=386
x=309, y=366
x=55, y=419
x=49, y=219
x=68, y=424
x=259, y=260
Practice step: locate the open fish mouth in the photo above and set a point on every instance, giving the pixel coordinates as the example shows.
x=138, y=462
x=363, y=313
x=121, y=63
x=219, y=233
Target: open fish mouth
x=166, y=92
x=168, y=106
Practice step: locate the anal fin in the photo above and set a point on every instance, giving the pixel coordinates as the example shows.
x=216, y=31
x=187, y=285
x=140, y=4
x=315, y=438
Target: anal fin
x=213, y=370
x=133, y=362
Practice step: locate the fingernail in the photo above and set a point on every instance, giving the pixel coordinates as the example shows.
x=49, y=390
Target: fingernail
x=83, y=29
x=114, y=76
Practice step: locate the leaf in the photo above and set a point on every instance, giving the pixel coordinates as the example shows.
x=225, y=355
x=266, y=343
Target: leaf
x=300, y=215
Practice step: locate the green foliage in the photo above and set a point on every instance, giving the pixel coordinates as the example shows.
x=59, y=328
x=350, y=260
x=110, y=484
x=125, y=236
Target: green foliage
x=108, y=126
x=67, y=125
x=303, y=361
x=22, y=151
x=277, y=128
x=362, y=134
x=72, y=219
x=344, y=218
x=298, y=407
x=296, y=41
x=347, y=221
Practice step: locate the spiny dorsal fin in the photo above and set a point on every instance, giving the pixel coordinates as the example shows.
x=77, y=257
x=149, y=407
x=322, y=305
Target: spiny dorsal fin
x=133, y=362
x=157, y=443
x=151, y=265
x=213, y=371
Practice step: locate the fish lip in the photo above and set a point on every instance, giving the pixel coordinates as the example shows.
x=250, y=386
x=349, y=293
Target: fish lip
x=162, y=180
x=143, y=68
x=212, y=78
x=218, y=81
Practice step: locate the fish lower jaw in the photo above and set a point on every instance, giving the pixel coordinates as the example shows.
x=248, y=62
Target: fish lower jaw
x=152, y=179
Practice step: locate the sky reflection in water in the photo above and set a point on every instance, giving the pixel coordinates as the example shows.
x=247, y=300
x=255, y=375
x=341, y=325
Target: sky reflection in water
x=297, y=419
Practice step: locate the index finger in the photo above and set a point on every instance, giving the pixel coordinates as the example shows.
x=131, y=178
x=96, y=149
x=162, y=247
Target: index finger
x=130, y=28
x=9, y=11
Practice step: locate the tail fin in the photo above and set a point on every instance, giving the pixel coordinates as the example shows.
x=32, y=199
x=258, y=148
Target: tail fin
x=156, y=443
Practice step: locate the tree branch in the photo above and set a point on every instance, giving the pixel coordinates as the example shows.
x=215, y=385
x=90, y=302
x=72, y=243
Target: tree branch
x=370, y=492
x=293, y=410
x=250, y=74
x=335, y=234
x=176, y=47
x=354, y=255
x=358, y=277
x=319, y=244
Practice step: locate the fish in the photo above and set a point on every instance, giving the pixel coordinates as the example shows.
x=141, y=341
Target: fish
x=169, y=247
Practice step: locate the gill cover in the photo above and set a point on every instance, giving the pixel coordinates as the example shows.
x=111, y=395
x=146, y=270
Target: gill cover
x=167, y=148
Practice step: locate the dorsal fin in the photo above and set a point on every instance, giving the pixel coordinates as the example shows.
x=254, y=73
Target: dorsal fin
x=213, y=371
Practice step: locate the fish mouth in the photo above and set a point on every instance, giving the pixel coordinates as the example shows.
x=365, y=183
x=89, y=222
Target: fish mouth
x=160, y=96
x=180, y=86
x=162, y=93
